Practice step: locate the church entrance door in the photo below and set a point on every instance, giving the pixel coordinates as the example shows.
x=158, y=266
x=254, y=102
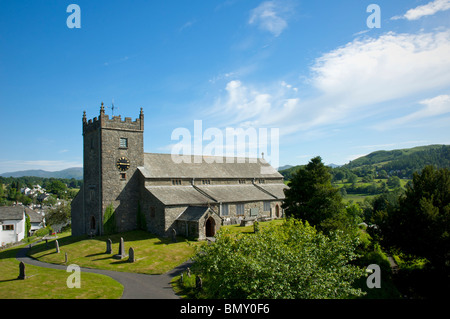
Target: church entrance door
x=210, y=227
x=92, y=223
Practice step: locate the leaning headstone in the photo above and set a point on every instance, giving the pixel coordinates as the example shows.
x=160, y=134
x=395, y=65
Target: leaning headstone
x=131, y=258
x=57, y=246
x=198, y=283
x=108, y=246
x=21, y=271
x=174, y=235
x=121, y=253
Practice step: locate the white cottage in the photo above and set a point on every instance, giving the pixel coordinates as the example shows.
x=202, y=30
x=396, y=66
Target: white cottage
x=12, y=224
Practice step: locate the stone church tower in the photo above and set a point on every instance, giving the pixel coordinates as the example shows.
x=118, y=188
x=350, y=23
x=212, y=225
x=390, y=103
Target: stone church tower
x=112, y=151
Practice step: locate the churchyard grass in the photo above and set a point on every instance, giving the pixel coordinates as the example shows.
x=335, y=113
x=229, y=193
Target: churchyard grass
x=249, y=229
x=45, y=283
x=154, y=255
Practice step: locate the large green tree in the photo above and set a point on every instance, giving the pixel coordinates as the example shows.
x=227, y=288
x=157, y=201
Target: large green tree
x=287, y=261
x=311, y=197
x=421, y=224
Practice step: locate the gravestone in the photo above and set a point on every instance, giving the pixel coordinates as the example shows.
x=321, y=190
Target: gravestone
x=108, y=246
x=121, y=253
x=181, y=278
x=21, y=271
x=65, y=258
x=131, y=258
x=188, y=272
x=174, y=235
x=198, y=283
x=57, y=246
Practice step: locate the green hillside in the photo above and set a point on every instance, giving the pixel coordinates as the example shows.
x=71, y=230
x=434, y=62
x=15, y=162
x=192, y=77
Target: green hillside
x=404, y=162
x=401, y=162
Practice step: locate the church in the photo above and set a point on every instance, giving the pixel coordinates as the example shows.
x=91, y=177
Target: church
x=153, y=192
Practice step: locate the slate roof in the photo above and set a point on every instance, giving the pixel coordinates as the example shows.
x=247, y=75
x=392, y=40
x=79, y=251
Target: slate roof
x=203, y=194
x=11, y=213
x=235, y=193
x=275, y=189
x=193, y=213
x=34, y=217
x=163, y=166
x=178, y=195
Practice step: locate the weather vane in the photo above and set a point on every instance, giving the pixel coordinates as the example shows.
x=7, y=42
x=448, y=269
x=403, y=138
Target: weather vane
x=113, y=107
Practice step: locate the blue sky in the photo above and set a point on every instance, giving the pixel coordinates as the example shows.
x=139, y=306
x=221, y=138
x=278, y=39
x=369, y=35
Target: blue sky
x=312, y=69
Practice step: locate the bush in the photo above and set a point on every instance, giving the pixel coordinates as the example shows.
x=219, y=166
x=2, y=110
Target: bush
x=292, y=260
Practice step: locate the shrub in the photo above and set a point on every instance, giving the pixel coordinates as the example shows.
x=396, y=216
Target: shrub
x=288, y=261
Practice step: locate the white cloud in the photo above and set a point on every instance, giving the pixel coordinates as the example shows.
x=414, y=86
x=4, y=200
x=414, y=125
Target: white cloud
x=428, y=9
x=267, y=17
x=436, y=106
x=380, y=69
x=187, y=25
x=349, y=84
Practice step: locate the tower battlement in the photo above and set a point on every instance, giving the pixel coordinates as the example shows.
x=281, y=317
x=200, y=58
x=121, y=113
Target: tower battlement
x=103, y=121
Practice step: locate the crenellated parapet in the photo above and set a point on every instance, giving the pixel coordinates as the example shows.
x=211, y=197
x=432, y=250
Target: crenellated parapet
x=115, y=123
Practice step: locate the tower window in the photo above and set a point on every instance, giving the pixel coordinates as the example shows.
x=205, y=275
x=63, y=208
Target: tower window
x=123, y=142
x=123, y=176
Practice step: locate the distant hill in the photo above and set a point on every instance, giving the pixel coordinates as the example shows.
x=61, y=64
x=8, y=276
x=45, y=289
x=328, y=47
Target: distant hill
x=401, y=162
x=74, y=172
x=410, y=159
x=333, y=165
x=281, y=168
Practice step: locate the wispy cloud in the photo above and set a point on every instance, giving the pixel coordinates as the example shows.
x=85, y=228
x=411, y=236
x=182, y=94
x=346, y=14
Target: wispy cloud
x=439, y=105
x=121, y=60
x=349, y=81
x=428, y=9
x=187, y=25
x=269, y=16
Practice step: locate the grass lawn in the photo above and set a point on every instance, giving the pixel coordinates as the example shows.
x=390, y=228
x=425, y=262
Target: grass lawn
x=356, y=198
x=45, y=283
x=154, y=255
x=249, y=229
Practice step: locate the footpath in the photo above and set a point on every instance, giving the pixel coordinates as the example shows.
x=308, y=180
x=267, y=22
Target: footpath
x=136, y=286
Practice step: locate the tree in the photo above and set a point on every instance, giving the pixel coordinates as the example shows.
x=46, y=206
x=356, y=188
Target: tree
x=352, y=178
x=57, y=187
x=311, y=196
x=421, y=224
x=394, y=182
x=58, y=215
x=287, y=261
